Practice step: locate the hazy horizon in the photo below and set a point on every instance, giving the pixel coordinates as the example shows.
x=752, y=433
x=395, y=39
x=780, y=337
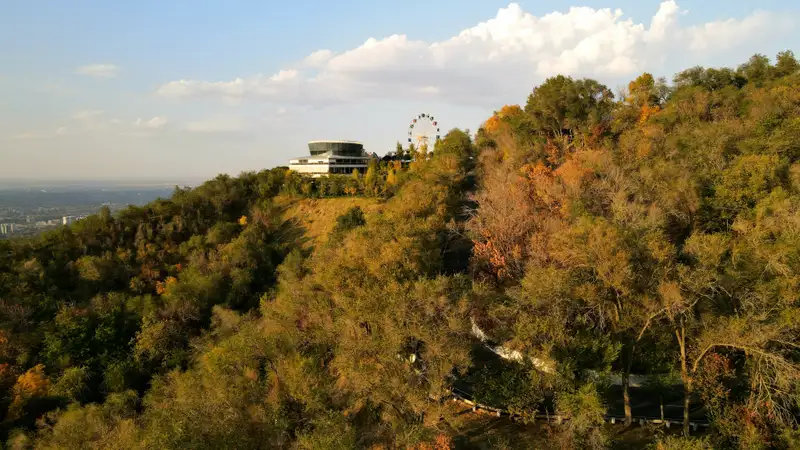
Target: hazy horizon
x=134, y=182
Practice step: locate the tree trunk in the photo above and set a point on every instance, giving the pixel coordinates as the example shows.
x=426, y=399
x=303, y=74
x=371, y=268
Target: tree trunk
x=680, y=333
x=687, y=395
x=661, y=402
x=626, y=398
x=626, y=382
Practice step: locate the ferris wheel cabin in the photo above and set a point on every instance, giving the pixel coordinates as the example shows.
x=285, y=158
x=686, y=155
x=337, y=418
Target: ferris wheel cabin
x=332, y=157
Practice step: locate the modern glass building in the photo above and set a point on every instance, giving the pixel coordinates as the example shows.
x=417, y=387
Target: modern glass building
x=327, y=157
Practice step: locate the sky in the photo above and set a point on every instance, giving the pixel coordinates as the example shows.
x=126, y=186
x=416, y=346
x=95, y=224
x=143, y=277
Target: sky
x=181, y=89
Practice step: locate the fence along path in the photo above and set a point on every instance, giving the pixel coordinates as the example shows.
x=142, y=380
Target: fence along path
x=513, y=355
x=463, y=397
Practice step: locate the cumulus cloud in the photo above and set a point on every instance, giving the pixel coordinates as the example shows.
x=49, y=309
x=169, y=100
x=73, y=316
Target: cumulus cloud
x=318, y=59
x=98, y=70
x=217, y=125
x=154, y=123
x=496, y=58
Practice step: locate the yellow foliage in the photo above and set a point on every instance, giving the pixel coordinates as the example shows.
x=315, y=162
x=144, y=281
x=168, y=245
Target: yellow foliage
x=317, y=217
x=640, y=90
x=442, y=442
x=243, y=220
x=536, y=171
x=161, y=286
x=492, y=125
x=33, y=383
x=572, y=173
x=250, y=374
x=647, y=111
x=495, y=124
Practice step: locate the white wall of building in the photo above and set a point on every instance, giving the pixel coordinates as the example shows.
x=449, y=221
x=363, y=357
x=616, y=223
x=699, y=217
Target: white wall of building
x=310, y=168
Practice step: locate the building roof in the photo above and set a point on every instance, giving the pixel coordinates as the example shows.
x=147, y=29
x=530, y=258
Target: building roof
x=334, y=142
x=327, y=155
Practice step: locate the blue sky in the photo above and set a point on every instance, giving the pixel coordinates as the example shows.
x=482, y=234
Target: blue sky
x=178, y=89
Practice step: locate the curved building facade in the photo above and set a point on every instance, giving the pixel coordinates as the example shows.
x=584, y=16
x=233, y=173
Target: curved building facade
x=332, y=157
x=343, y=148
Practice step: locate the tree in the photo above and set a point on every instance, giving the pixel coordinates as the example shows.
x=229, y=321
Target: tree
x=709, y=79
x=71, y=385
x=786, y=64
x=399, y=152
x=31, y=385
x=756, y=70
x=642, y=91
x=758, y=331
x=371, y=181
x=354, y=217
x=563, y=106
x=586, y=416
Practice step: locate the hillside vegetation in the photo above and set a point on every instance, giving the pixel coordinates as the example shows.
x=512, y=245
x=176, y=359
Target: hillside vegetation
x=654, y=233
x=317, y=216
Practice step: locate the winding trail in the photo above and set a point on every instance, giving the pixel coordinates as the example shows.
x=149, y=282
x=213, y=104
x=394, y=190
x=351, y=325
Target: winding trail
x=646, y=409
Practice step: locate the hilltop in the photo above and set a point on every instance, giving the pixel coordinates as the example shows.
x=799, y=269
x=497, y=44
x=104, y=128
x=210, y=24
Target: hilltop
x=592, y=237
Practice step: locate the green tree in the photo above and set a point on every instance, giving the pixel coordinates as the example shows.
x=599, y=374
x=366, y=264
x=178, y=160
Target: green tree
x=399, y=151
x=562, y=106
x=786, y=64
x=756, y=70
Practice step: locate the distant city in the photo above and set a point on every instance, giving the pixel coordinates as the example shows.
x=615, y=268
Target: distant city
x=29, y=208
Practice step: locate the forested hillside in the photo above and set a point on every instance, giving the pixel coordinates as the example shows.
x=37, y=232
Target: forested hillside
x=654, y=233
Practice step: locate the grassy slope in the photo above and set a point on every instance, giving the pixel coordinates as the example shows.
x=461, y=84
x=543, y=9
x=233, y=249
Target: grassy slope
x=318, y=216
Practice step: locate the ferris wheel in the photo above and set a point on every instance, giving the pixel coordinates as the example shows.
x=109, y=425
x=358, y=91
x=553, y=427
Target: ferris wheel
x=423, y=131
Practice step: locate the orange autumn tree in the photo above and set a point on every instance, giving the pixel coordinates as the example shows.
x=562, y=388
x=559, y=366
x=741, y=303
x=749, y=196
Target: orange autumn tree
x=642, y=94
x=31, y=384
x=498, y=122
x=499, y=130
x=161, y=286
x=442, y=442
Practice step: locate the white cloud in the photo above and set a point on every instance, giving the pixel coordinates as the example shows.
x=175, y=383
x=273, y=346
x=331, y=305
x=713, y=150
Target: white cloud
x=503, y=56
x=60, y=131
x=103, y=70
x=154, y=123
x=318, y=59
x=217, y=125
x=270, y=86
x=731, y=33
